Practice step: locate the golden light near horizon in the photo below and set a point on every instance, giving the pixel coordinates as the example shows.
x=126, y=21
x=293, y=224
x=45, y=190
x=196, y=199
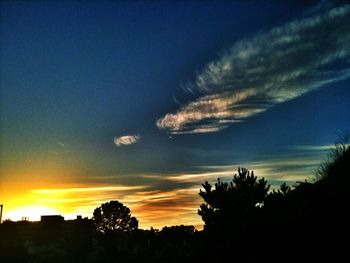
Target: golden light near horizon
x=31, y=212
x=152, y=208
x=19, y=199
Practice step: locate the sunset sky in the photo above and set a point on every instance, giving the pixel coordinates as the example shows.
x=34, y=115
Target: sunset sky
x=142, y=101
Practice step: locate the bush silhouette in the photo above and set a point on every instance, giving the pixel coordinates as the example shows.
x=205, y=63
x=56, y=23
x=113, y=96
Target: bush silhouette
x=335, y=168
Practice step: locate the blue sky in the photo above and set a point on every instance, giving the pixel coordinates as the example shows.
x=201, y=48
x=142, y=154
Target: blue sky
x=162, y=95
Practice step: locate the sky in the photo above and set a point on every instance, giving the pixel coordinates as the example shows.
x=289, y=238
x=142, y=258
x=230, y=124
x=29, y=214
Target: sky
x=143, y=101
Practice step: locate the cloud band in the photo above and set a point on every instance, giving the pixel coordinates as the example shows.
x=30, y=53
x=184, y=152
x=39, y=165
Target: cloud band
x=265, y=70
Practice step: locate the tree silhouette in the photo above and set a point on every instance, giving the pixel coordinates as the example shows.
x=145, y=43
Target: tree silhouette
x=229, y=201
x=114, y=216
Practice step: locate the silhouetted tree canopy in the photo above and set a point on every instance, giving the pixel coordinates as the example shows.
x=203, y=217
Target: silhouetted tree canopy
x=228, y=201
x=114, y=216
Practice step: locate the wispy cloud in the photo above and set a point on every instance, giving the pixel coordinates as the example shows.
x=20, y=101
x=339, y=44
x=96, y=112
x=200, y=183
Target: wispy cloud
x=126, y=140
x=265, y=70
x=87, y=189
x=309, y=147
x=314, y=147
x=60, y=143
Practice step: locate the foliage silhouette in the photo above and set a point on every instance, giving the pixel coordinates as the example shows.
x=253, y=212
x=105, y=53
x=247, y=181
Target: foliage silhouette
x=333, y=168
x=231, y=201
x=181, y=230
x=113, y=216
x=276, y=198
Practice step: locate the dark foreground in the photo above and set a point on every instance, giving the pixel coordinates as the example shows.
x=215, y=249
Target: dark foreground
x=307, y=222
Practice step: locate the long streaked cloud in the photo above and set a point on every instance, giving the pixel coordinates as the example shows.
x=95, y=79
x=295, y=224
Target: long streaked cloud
x=314, y=147
x=126, y=140
x=88, y=189
x=317, y=147
x=265, y=70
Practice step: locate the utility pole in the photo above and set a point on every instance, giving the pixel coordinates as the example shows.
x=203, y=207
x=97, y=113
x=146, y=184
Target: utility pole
x=1, y=213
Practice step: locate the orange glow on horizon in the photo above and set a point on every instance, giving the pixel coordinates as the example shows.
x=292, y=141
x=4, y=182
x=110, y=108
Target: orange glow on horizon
x=66, y=191
x=32, y=213
x=152, y=208
x=34, y=193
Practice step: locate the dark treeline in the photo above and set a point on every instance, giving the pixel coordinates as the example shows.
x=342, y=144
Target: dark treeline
x=243, y=221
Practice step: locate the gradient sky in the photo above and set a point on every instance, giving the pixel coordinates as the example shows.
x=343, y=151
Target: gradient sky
x=142, y=101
